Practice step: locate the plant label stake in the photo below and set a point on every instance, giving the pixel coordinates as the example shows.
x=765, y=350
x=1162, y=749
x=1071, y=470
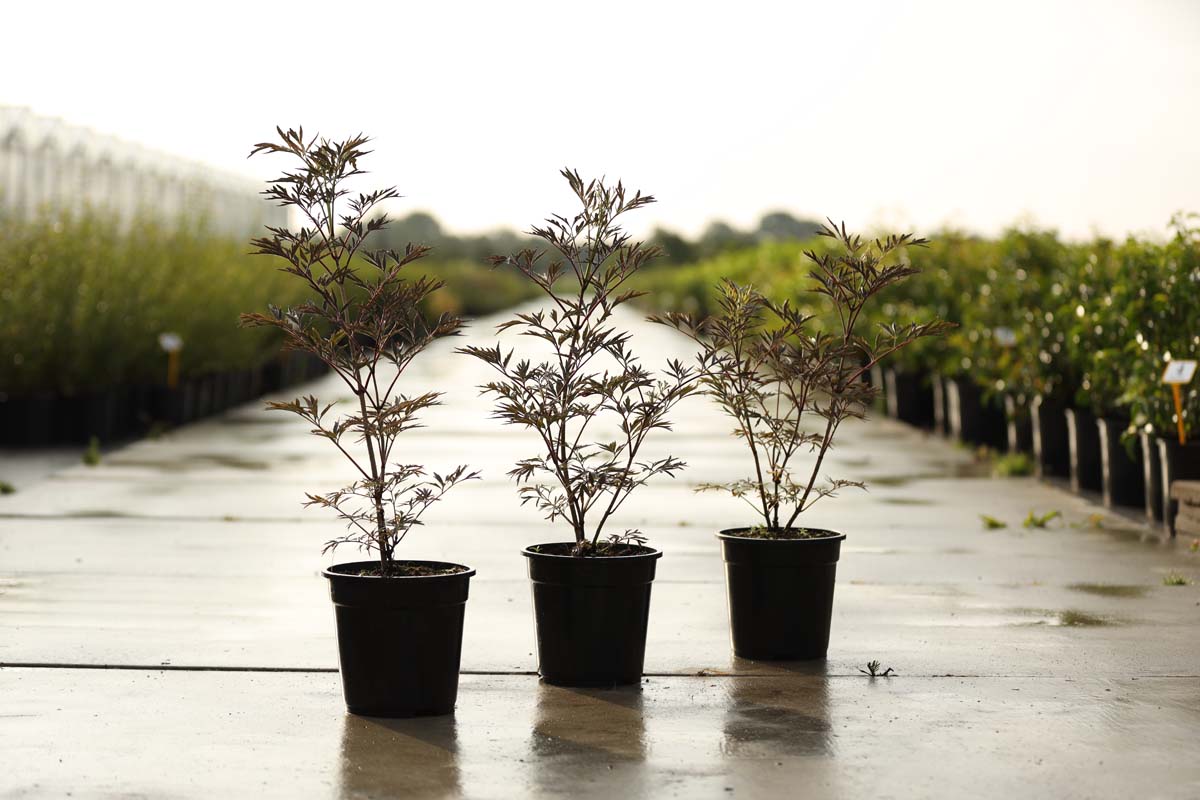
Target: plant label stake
x=1005, y=337
x=171, y=343
x=1176, y=375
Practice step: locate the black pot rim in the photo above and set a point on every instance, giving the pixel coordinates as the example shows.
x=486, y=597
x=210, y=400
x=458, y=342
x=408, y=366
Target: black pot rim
x=529, y=552
x=731, y=533
x=333, y=571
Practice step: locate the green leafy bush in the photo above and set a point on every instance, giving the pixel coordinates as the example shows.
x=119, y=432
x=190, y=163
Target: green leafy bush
x=1159, y=291
x=1090, y=323
x=82, y=303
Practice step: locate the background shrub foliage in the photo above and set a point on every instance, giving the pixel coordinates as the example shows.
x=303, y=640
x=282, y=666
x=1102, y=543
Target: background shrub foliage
x=82, y=303
x=1090, y=323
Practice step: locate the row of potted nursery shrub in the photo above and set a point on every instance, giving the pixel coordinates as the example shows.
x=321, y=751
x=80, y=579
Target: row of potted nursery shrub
x=1059, y=351
x=83, y=304
x=119, y=412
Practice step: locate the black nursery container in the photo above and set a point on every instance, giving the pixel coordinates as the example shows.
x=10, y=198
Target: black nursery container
x=27, y=420
x=1121, y=473
x=1086, y=470
x=1177, y=462
x=1018, y=425
x=941, y=414
x=1051, y=439
x=399, y=639
x=975, y=419
x=591, y=614
x=1151, y=476
x=780, y=594
x=876, y=379
x=909, y=397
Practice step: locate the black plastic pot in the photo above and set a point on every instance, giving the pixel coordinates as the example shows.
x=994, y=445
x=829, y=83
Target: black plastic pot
x=172, y=406
x=780, y=594
x=941, y=414
x=1151, y=476
x=28, y=420
x=1051, y=440
x=399, y=639
x=1121, y=473
x=1018, y=425
x=909, y=397
x=101, y=415
x=591, y=614
x=1177, y=462
x=271, y=376
x=876, y=379
x=1084, y=439
x=974, y=419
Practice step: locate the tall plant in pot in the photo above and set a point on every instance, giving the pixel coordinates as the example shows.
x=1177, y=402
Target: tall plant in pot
x=773, y=369
x=592, y=405
x=399, y=622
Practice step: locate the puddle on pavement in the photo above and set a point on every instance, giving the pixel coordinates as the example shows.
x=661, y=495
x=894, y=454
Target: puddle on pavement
x=957, y=470
x=1067, y=618
x=256, y=420
x=1124, y=534
x=98, y=513
x=1110, y=589
x=195, y=462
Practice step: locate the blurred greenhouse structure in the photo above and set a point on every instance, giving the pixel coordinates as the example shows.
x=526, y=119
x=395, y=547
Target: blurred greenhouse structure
x=49, y=164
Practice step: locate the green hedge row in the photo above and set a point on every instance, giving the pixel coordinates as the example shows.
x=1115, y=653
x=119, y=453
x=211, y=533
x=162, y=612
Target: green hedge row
x=82, y=303
x=1089, y=323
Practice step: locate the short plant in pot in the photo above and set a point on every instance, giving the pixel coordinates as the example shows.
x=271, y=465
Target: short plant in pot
x=592, y=405
x=773, y=369
x=399, y=622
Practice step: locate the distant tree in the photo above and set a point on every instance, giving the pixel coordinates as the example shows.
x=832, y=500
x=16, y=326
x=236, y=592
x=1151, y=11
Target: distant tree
x=420, y=227
x=675, y=248
x=782, y=225
x=721, y=236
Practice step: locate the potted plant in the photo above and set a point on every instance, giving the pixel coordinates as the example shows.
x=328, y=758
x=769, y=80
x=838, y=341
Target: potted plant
x=592, y=405
x=1168, y=319
x=399, y=622
x=1103, y=284
x=769, y=368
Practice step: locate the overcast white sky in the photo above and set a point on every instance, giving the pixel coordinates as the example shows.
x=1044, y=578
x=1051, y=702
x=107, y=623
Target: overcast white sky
x=1078, y=115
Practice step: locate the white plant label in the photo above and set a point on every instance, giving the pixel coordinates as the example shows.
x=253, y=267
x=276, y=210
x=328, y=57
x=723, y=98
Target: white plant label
x=1179, y=372
x=170, y=342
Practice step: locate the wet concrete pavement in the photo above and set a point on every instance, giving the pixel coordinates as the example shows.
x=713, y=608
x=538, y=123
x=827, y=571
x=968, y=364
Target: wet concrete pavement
x=164, y=631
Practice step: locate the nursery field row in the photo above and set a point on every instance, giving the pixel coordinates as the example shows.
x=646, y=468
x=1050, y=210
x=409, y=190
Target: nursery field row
x=83, y=306
x=1090, y=325
x=1059, y=349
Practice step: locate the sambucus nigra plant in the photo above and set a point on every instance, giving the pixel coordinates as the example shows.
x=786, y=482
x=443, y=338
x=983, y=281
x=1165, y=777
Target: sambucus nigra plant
x=577, y=479
x=364, y=321
x=768, y=366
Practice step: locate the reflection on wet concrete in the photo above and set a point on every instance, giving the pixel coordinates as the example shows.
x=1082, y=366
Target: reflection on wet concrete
x=375, y=749
x=193, y=461
x=589, y=736
x=605, y=724
x=1069, y=618
x=766, y=719
x=1109, y=589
